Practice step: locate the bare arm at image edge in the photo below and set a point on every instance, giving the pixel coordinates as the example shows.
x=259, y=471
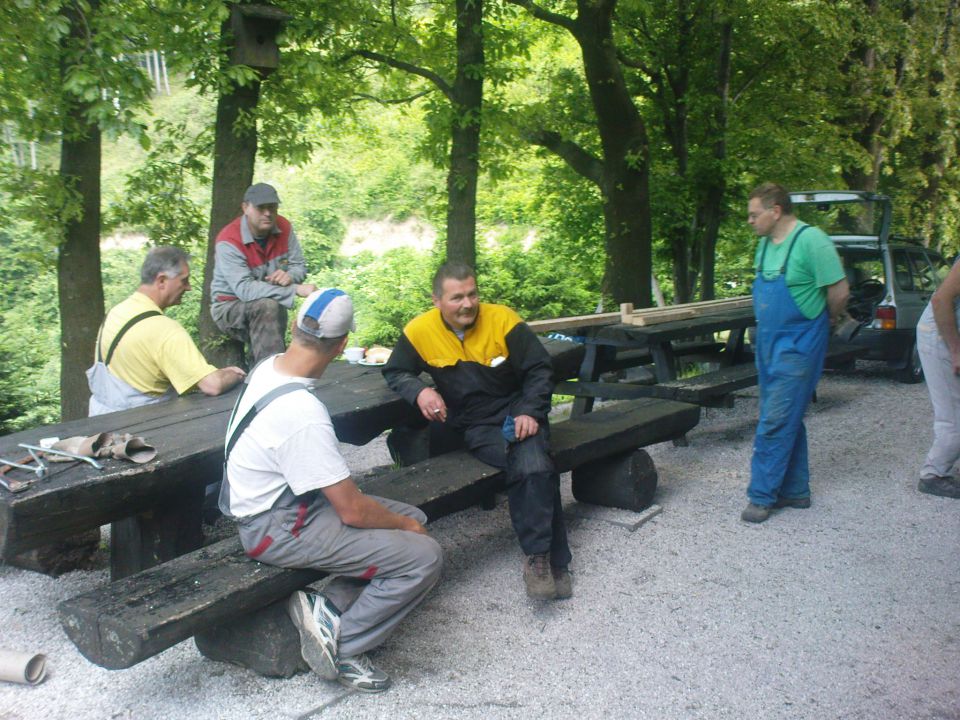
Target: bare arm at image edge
x=944, y=314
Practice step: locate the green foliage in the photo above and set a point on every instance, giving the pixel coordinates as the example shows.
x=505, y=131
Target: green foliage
x=29, y=335
x=387, y=291
x=339, y=147
x=159, y=198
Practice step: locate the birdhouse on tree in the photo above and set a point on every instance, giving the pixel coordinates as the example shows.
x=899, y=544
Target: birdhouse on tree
x=255, y=29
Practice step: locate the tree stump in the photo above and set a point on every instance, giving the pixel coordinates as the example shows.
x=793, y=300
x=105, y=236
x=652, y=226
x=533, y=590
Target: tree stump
x=264, y=641
x=624, y=481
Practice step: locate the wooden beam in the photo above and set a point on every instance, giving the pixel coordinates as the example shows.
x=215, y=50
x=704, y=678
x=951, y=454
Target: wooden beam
x=567, y=323
x=652, y=316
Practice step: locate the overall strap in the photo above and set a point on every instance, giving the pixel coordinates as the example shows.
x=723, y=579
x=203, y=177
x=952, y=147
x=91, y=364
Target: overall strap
x=257, y=407
x=116, y=338
x=766, y=242
x=793, y=242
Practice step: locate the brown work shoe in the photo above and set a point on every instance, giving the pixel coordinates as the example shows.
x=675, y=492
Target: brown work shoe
x=562, y=581
x=538, y=578
x=939, y=485
x=755, y=513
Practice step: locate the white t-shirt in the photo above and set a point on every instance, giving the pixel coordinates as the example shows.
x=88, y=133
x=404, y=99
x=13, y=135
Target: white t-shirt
x=290, y=442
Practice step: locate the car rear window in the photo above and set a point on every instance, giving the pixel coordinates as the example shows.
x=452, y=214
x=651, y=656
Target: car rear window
x=862, y=266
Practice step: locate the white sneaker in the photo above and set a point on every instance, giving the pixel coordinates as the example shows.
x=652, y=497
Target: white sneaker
x=359, y=673
x=319, y=626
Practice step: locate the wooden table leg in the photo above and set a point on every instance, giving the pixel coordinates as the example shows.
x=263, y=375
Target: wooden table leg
x=664, y=361
x=153, y=537
x=589, y=372
x=733, y=350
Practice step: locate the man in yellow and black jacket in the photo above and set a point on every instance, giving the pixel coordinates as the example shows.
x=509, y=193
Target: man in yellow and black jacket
x=493, y=385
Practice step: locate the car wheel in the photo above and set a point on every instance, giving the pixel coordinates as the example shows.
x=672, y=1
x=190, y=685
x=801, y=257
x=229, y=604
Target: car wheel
x=913, y=371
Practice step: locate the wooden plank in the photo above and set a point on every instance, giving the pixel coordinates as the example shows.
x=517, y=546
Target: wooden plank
x=656, y=317
x=127, y=621
x=576, y=321
x=653, y=316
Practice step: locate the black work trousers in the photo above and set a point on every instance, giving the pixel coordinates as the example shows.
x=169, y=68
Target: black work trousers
x=533, y=488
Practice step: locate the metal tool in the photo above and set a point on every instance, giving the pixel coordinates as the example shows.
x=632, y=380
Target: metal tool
x=40, y=469
x=62, y=453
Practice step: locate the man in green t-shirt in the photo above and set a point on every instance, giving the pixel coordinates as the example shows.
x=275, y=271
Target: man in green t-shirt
x=800, y=290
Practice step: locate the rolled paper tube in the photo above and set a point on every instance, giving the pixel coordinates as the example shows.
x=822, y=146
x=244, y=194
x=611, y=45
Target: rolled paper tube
x=24, y=668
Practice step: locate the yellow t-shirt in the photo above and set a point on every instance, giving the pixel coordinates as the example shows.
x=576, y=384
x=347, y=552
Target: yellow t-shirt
x=155, y=353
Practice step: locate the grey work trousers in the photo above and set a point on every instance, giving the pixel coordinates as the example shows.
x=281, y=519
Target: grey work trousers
x=381, y=575
x=944, y=388
x=260, y=323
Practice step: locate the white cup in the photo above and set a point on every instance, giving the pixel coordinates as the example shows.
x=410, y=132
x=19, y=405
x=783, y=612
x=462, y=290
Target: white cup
x=353, y=354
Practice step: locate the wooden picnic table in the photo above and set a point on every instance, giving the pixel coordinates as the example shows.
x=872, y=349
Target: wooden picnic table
x=603, y=342
x=167, y=492
x=165, y=495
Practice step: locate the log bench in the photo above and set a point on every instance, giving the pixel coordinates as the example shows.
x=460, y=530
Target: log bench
x=134, y=618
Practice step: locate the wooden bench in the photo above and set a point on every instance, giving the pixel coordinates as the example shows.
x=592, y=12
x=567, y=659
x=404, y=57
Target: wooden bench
x=711, y=389
x=134, y=618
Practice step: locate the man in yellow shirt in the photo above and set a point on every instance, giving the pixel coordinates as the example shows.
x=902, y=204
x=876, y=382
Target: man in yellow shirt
x=143, y=356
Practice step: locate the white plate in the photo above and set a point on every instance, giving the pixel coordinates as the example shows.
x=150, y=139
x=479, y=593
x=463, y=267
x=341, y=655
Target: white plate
x=368, y=363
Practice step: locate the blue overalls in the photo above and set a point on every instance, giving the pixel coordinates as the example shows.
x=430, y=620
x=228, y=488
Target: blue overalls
x=790, y=350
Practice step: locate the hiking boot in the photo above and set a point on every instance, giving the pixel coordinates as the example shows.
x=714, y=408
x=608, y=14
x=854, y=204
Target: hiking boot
x=538, y=578
x=359, y=673
x=562, y=581
x=755, y=513
x=938, y=485
x=318, y=623
x=801, y=503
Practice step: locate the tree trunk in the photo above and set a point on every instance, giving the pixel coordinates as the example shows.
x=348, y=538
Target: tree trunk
x=79, y=285
x=234, y=156
x=626, y=157
x=679, y=239
x=465, y=135
x=712, y=208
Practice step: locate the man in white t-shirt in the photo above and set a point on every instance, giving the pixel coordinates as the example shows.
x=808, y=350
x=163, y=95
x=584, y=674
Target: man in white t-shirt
x=296, y=506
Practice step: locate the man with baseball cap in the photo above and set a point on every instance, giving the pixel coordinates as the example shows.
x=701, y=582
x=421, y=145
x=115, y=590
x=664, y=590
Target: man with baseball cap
x=290, y=491
x=258, y=271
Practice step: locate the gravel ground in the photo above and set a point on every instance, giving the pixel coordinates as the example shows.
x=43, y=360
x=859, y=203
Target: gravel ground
x=850, y=609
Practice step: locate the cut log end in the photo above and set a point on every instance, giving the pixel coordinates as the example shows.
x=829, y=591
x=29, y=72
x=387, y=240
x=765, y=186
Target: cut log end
x=626, y=481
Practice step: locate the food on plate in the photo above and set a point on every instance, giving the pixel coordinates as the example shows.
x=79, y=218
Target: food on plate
x=377, y=355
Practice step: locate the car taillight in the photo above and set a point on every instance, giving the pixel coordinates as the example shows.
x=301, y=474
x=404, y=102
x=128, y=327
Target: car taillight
x=885, y=317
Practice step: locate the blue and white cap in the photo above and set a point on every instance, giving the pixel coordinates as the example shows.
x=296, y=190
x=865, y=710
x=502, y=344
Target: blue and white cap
x=332, y=309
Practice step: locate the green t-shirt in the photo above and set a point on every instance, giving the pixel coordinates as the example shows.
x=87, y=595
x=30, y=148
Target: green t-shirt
x=814, y=264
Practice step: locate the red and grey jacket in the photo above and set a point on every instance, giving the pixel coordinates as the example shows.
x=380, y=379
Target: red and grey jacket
x=241, y=263
x=500, y=367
